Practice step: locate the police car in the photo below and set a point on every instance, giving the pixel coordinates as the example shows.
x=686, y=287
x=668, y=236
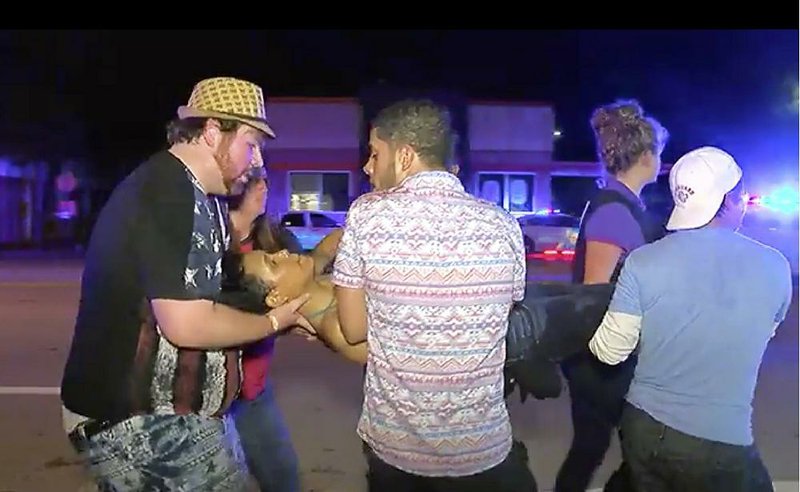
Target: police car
x=549, y=234
x=309, y=227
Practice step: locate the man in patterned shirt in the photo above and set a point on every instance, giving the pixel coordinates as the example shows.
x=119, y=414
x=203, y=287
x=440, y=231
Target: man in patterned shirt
x=427, y=274
x=154, y=361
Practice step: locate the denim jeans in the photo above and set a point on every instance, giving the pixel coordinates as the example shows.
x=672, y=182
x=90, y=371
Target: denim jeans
x=163, y=452
x=663, y=459
x=266, y=442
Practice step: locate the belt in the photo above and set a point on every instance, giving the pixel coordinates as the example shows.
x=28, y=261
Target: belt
x=90, y=428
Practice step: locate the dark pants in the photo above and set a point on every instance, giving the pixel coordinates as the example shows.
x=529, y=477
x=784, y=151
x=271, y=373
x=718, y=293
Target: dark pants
x=266, y=442
x=512, y=475
x=597, y=393
x=664, y=459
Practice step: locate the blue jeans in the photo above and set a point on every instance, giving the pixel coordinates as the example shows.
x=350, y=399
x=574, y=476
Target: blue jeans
x=162, y=452
x=266, y=443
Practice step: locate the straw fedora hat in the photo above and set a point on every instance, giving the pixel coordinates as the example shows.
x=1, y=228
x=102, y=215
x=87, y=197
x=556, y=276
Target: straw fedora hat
x=228, y=98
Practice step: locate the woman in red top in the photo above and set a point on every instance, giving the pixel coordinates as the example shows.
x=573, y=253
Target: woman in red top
x=262, y=430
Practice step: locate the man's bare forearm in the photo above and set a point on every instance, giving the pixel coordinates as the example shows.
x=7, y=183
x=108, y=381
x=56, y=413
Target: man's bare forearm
x=202, y=324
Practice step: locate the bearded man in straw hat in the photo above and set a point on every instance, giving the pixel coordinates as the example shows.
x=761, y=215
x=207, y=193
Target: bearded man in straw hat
x=154, y=362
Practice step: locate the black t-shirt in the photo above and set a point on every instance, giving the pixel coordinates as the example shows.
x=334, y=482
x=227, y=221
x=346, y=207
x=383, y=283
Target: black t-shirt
x=158, y=237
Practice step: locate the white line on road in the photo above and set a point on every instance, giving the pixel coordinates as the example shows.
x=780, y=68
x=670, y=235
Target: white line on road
x=30, y=390
x=784, y=486
x=26, y=285
x=55, y=390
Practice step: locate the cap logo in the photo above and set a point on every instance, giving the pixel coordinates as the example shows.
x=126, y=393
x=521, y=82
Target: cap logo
x=682, y=193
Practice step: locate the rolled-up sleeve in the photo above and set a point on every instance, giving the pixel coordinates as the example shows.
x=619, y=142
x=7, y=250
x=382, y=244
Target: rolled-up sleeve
x=619, y=331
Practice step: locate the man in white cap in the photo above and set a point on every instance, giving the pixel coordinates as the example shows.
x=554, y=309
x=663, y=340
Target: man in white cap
x=154, y=362
x=701, y=305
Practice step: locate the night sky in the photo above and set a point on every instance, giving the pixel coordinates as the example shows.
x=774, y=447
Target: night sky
x=107, y=95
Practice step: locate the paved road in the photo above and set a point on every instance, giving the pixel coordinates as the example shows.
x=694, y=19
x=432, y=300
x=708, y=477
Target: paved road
x=38, y=301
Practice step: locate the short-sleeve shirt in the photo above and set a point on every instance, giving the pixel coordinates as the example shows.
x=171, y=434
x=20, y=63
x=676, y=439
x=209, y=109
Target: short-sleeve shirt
x=440, y=269
x=613, y=223
x=160, y=236
x=709, y=301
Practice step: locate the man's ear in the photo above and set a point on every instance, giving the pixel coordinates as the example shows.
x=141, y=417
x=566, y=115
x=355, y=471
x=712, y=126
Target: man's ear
x=211, y=133
x=275, y=299
x=405, y=157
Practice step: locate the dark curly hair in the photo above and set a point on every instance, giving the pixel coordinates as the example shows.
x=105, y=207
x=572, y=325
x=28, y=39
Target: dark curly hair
x=239, y=290
x=188, y=129
x=420, y=124
x=623, y=134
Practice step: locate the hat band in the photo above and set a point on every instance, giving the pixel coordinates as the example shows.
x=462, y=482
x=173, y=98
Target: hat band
x=233, y=115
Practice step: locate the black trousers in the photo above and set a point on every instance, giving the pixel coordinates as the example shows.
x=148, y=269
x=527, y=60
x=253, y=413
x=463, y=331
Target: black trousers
x=663, y=459
x=597, y=394
x=512, y=475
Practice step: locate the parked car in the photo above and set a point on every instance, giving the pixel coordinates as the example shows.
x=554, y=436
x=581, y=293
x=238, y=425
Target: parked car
x=309, y=227
x=550, y=235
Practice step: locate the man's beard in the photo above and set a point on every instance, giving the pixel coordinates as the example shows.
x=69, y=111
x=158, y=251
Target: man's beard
x=389, y=179
x=238, y=187
x=226, y=166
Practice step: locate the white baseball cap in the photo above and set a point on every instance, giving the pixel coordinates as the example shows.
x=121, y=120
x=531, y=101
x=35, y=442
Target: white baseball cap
x=699, y=182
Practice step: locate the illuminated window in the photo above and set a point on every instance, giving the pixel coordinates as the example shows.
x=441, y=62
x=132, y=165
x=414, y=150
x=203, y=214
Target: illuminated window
x=512, y=191
x=319, y=191
x=491, y=187
x=520, y=192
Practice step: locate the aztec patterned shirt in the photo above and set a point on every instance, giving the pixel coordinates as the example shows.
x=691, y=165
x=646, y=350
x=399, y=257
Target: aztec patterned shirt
x=440, y=269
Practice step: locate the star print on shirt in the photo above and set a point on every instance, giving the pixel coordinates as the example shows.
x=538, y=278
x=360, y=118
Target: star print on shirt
x=188, y=277
x=215, y=243
x=199, y=241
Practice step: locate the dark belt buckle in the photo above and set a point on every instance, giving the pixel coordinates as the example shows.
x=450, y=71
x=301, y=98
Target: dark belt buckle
x=88, y=429
x=77, y=437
